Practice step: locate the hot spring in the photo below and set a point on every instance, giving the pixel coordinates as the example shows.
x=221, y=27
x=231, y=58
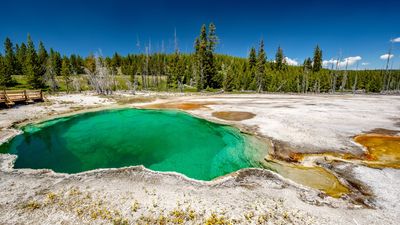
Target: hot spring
x=161, y=140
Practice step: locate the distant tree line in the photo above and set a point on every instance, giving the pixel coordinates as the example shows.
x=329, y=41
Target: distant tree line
x=201, y=70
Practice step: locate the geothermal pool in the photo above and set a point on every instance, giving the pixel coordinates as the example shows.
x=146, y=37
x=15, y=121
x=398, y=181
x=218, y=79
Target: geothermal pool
x=161, y=140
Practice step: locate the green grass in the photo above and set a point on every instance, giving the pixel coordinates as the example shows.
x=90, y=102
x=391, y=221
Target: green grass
x=120, y=84
x=22, y=82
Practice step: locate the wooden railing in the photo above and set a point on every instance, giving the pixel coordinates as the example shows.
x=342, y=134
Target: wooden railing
x=10, y=97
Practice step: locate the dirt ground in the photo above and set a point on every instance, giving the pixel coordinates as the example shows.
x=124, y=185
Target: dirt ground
x=293, y=123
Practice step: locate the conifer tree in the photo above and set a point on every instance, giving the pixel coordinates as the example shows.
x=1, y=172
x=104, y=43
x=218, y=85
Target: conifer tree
x=31, y=68
x=228, y=78
x=203, y=57
x=317, y=59
x=173, y=71
x=198, y=69
x=9, y=63
x=66, y=72
x=115, y=62
x=197, y=46
x=74, y=64
x=208, y=68
x=57, y=62
x=213, y=80
x=261, y=62
x=79, y=64
x=50, y=74
x=252, y=58
x=42, y=59
x=203, y=38
x=2, y=73
x=250, y=75
x=279, y=59
x=212, y=37
x=20, y=58
x=17, y=65
x=205, y=47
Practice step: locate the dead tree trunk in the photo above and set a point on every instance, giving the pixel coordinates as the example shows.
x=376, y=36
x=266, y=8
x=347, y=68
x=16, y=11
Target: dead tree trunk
x=344, y=79
x=385, y=77
x=101, y=80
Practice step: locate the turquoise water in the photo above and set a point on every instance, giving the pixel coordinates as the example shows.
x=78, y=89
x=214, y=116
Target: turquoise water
x=161, y=140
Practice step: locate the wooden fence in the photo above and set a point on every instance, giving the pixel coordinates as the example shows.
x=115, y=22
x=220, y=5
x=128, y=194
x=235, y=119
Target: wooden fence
x=10, y=97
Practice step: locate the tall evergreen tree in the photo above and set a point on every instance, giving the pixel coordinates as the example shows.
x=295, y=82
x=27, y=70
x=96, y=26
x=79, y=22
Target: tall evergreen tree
x=279, y=59
x=31, y=66
x=317, y=59
x=74, y=64
x=116, y=60
x=197, y=46
x=212, y=37
x=9, y=63
x=205, y=47
x=42, y=59
x=50, y=74
x=228, y=83
x=17, y=65
x=203, y=56
x=57, y=62
x=9, y=55
x=249, y=80
x=173, y=71
x=212, y=80
x=252, y=58
x=66, y=72
x=77, y=64
x=261, y=62
x=209, y=69
x=198, y=68
x=20, y=57
x=2, y=73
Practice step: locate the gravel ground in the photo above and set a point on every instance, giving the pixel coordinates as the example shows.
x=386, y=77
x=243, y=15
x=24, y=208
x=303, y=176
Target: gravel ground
x=311, y=123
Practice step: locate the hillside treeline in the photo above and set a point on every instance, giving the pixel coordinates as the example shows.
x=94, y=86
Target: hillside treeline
x=201, y=70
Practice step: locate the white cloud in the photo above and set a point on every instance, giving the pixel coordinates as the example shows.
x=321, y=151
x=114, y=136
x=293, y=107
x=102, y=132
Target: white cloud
x=350, y=61
x=345, y=62
x=329, y=62
x=395, y=40
x=291, y=62
x=365, y=64
x=386, y=56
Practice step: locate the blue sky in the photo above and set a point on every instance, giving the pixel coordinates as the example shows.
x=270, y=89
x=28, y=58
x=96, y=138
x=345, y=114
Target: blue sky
x=357, y=29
